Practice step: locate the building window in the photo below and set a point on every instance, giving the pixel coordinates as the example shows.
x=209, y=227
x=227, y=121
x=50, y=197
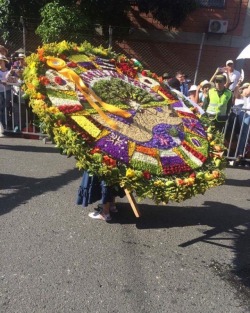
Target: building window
x=212, y=3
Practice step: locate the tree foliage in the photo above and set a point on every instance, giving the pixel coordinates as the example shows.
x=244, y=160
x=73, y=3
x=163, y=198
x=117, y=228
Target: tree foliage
x=61, y=20
x=60, y=17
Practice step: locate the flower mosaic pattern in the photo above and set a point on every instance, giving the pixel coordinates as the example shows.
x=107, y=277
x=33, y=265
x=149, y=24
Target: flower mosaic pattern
x=119, y=121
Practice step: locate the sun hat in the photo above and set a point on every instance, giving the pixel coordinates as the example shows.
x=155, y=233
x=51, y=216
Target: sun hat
x=206, y=82
x=229, y=62
x=3, y=58
x=21, y=56
x=245, y=85
x=192, y=88
x=220, y=77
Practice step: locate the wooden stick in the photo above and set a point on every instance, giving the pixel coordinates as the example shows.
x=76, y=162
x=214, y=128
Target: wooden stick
x=133, y=203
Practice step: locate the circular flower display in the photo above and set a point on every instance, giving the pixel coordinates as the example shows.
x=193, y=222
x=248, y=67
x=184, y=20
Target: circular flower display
x=121, y=123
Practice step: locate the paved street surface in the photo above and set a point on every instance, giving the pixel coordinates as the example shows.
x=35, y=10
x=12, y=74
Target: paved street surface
x=192, y=257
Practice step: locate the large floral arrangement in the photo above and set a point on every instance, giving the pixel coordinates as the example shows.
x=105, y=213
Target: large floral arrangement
x=121, y=123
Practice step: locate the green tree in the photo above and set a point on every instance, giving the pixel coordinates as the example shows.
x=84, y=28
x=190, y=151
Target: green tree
x=62, y=21
x=60, y=17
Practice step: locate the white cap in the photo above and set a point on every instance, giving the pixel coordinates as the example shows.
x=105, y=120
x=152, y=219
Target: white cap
x=193, y=88
x=229, y=62
x=21, y=55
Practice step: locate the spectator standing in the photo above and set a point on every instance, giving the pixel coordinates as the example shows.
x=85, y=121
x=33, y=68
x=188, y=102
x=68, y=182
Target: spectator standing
x=218, y=102
x=176, y=81
x=185, y=85
x=202, y=93
x=5, y=90
x=4, y=52
x=234, y=75
x=166, y=77
x=192, y=93
x=243, y=97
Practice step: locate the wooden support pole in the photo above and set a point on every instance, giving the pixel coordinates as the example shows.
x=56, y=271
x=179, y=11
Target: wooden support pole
x=132, y=203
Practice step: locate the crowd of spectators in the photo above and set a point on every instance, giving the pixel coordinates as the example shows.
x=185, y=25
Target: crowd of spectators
x=225, y=98
x=11, y=70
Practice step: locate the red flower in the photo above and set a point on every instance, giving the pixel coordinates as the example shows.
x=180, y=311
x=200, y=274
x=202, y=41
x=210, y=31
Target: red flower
x=59, y=80
x=62, y=56
x=146, y=174
x=44, y=80
x=72, y=64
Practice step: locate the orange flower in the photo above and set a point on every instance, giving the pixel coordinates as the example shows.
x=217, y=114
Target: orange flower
x=40, y=52
x=109, y=161
x=149, y=151
x=95, y=150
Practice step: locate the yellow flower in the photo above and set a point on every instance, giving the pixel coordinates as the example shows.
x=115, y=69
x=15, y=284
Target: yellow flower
x=53, y=110
x=130, y=173
x=64, y=129
x=159, y=183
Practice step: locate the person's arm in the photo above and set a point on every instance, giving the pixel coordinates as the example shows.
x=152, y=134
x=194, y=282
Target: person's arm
x=196, y=99
x=206, y=103
x=217, y=71
x=237, y=94
x=228, y=82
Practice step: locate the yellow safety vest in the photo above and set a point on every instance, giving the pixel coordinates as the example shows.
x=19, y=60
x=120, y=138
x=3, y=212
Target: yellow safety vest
x=218, y=104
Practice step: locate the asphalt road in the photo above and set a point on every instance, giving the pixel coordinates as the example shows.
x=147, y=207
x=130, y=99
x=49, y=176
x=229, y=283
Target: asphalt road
x=192, y=257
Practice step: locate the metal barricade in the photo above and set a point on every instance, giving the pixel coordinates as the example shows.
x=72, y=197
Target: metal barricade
x=237, y=136
x=16, y=116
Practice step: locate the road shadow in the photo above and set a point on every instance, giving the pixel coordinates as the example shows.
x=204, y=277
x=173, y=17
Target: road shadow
x=237, y=182
x=16, y=190
x=27, y=148
x=226, y=221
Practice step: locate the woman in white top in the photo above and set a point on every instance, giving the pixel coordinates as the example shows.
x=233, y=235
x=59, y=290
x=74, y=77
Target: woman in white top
x=5, y=90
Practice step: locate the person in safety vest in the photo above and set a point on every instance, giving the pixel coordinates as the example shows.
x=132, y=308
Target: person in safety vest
x=218, y=102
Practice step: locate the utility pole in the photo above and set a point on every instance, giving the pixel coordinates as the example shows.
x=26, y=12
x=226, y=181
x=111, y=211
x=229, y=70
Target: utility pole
x=24, y=34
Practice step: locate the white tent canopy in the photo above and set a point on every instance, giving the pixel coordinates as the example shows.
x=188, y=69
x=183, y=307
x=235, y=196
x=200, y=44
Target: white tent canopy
x=245, y=53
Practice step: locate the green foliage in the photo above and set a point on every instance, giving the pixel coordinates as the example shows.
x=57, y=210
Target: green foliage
x=4, y=16
x=116, y=91
x=69, y=19
x=58, y=20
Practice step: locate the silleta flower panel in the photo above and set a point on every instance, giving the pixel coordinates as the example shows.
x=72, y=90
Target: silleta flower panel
x=120, y=121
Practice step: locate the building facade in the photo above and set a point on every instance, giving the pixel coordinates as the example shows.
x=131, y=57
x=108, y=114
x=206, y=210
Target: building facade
x=217, y=31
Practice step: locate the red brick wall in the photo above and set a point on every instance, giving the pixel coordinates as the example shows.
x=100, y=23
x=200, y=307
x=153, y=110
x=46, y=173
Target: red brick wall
x=198, y=21
x=163, y=57
x=234, y=12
